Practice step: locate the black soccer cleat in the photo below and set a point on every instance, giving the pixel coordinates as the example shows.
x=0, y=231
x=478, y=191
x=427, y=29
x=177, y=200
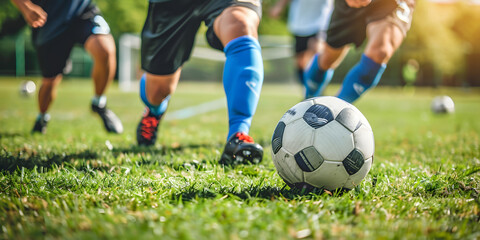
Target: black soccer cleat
x=41, y=125
x=111, y=122
x=147, y=128
x=241, y=149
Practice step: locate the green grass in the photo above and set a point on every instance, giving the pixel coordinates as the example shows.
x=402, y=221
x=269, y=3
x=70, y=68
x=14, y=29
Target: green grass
x=77, y=181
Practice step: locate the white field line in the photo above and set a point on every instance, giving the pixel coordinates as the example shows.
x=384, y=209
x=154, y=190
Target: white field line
x=197, y=109
x=184, y=113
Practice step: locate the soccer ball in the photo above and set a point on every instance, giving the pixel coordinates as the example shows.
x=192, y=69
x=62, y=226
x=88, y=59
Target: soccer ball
x=443, y=104
x=27, y=88
x=323, y=143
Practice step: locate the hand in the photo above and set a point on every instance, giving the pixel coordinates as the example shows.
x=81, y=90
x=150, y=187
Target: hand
x=34, y=15
x=358, y=3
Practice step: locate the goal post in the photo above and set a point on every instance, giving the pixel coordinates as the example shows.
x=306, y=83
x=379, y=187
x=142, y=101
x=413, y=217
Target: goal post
x=129, y=61
x=206, y=63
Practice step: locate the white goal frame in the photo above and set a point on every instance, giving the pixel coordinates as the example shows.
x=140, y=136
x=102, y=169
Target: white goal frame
x=273, y=47
x=128, y=64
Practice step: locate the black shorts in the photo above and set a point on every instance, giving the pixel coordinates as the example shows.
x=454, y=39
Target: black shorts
x=349, y=25
x=301, y=42
x=53, y=55
x=169, y=32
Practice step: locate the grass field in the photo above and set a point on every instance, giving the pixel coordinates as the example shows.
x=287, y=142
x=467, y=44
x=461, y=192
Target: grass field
x=77, y=181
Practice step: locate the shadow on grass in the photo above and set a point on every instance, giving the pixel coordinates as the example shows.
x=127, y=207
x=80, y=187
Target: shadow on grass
x=30, y=159
x=9, y=135
x=157, y=156
x=252, y=192
x=163, y=150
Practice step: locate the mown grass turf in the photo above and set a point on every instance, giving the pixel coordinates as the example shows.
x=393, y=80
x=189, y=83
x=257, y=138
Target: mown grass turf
x=77, y=181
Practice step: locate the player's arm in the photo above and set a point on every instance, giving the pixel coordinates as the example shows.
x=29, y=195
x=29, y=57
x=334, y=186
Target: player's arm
x=358, y=3
x=277, y=9
x=34, y=15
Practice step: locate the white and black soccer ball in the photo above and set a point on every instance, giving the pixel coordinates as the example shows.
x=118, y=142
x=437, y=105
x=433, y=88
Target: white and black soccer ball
x=27, y=88
x=323, y=143
x=443, y=104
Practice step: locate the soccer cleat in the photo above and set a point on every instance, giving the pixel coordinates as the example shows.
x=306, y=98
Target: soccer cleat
x=147, y=128
x=111, y=122
x=241, y=149
x=41, y=124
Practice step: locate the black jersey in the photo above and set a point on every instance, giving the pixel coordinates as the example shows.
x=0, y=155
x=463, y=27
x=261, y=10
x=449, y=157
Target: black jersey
x=61, y=13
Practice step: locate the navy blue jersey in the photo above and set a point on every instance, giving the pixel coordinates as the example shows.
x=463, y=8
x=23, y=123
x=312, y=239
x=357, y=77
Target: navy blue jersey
x=60, y=16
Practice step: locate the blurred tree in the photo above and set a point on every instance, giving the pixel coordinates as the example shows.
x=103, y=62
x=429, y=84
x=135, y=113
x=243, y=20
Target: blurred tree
x=467, y=26
x=270, y=26
x=128, y=16
x=124, y=16
x=444, y=38
x=433, y=43
x=11, y=20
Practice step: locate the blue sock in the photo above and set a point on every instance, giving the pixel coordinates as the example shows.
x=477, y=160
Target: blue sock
x=363, y=76
x=316, y=79
x=156, y=110
x=242, y=81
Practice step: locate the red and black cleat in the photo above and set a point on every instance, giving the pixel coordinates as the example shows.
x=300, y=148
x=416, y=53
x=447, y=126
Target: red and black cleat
x=241, y=149
x=147, y=128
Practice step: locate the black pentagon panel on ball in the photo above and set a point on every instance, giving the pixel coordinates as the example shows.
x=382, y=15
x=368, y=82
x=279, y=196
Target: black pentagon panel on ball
x=349, y=119
x=318, y=115
x=353, y=162
x=277, y=137
x=308, y=159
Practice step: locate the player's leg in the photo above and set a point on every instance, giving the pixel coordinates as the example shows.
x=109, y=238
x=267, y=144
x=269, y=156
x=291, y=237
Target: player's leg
x=52, y=57
x=236, y=28
x=48, y=92
x=102, y=50
x=347, y=25
x=385, y=35
x=320, y=72
x=384, y=38
x=94, y=33
x=305, y=49
x=155, y=92
x=46, y=95
x=163, y=52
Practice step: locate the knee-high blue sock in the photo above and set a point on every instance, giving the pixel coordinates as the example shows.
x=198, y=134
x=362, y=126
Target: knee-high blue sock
x=156, y=110
x=242, y=81
x=316, y=79
x=363, y=76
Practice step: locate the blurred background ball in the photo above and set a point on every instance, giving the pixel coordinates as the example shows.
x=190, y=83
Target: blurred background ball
x=443, y=104
x=27, y=88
